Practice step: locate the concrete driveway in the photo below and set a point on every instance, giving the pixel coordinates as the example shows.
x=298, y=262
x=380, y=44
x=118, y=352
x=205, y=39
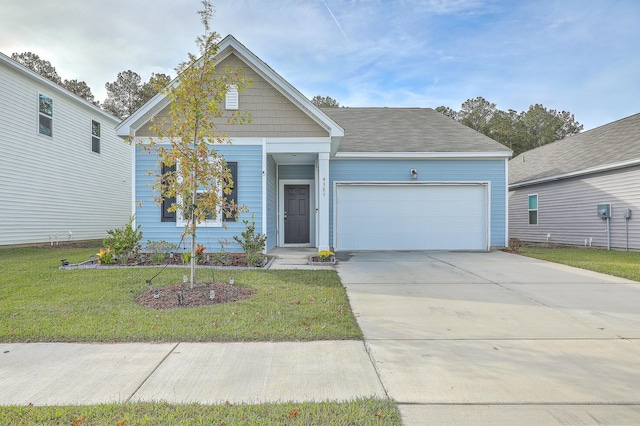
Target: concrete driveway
x=495, y=338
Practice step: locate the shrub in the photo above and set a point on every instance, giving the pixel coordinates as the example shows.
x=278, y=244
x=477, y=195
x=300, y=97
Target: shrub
x=124, y=242
x=222, y=257
x=157, y=249
x=161, y=246
x=515, y=244
x=251, y=242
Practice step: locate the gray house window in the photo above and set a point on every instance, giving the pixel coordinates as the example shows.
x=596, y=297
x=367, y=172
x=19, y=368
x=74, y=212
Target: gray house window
x=45, y=115
x=95, y=136
x=533, y=209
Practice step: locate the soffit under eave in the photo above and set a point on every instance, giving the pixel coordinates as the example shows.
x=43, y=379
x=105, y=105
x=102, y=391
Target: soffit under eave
x=148, y=115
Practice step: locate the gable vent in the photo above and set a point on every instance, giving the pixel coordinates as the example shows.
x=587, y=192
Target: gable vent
x=232, y=97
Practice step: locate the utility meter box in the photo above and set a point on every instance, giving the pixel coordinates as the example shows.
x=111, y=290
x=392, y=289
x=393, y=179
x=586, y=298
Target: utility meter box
x=626, y=213
x=604, y=210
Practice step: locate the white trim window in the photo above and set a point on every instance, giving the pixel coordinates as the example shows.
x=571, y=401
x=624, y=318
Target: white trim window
x=210, y=221
x=45, y=115
x=533, y=209
x=95, y=136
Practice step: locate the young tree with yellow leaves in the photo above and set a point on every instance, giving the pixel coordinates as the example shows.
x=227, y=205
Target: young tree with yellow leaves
x=186, y=136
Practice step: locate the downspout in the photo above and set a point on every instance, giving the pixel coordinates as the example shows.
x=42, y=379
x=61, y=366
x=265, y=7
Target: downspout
x=506, y=202
x=133, y=183
x=316, y=179
x=277, y=201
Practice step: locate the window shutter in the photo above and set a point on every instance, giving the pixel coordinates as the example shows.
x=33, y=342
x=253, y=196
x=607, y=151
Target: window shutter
x=233, y=197
x=232, y=97
x=167, y=216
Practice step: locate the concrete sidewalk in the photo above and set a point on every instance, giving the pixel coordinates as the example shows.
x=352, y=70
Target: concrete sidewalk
x=207, y=373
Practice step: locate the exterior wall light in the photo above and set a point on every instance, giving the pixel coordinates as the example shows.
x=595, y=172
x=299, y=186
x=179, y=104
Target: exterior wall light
x=414, y=174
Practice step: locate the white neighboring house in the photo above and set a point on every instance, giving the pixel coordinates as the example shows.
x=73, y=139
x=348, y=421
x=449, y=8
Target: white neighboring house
x=66, y=175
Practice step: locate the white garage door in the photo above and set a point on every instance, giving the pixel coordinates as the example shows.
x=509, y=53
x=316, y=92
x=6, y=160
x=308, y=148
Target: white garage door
x=411, y=217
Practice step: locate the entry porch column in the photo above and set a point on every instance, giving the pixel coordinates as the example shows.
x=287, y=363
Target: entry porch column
x=323, y=201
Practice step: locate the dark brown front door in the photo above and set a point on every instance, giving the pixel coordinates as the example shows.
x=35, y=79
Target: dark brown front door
x=296, y=214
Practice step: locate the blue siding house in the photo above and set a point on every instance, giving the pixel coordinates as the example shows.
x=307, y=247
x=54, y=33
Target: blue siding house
x=339, y=178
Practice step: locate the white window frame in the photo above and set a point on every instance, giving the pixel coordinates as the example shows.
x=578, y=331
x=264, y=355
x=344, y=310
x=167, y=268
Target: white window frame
x=529, y=210
x=97, y=137
x=45, y=115
x=181, y=221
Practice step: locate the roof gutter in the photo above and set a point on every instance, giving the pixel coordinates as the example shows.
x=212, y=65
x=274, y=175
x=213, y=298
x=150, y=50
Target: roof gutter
x=424, y=155
x=588, y=171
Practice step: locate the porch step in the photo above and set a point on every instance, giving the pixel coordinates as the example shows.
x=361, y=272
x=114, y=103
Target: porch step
x=286, y=253
x=293, y=258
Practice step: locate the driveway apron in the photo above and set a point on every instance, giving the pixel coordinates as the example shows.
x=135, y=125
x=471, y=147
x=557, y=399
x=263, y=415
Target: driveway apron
x=496, y=338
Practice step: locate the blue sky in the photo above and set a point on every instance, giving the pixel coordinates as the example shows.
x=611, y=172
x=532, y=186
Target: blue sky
x=576, y=55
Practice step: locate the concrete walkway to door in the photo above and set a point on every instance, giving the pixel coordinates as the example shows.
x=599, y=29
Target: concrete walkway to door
x=494, y=338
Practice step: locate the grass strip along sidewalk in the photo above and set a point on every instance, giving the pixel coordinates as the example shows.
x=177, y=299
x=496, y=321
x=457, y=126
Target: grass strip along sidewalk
x=360, y=412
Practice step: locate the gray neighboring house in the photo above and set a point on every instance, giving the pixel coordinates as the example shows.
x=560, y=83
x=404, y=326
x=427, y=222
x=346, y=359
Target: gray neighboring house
x=554, y=190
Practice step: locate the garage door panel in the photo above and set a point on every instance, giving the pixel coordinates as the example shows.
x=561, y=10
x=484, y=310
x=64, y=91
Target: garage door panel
x=411, y=217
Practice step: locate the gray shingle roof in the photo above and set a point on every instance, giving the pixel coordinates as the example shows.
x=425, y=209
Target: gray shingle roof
x=610, y=144
x=407, y=130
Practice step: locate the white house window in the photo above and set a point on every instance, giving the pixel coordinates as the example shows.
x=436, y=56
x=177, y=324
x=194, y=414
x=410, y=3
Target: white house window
x=232, y=198
x=209, y=221
x=231, y=101
x=95, y=136
x=533, y=209
x=45, y=115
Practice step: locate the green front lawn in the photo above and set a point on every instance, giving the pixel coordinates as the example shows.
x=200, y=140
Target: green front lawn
x=40, y=303
x=359, y=412
x=624, y=264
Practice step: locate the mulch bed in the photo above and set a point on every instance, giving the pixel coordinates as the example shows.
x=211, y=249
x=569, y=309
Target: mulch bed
x=181, y=296
x=315, y=259
x=232, y=259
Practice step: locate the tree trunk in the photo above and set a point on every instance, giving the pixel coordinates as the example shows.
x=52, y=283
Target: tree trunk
x=193, y=244
x=194, y=197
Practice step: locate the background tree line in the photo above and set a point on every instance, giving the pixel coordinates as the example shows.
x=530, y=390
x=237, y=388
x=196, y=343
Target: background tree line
x=124, y=95
x=520, y=131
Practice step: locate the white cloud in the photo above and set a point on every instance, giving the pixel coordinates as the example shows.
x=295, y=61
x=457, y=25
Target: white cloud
x=566, y=55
